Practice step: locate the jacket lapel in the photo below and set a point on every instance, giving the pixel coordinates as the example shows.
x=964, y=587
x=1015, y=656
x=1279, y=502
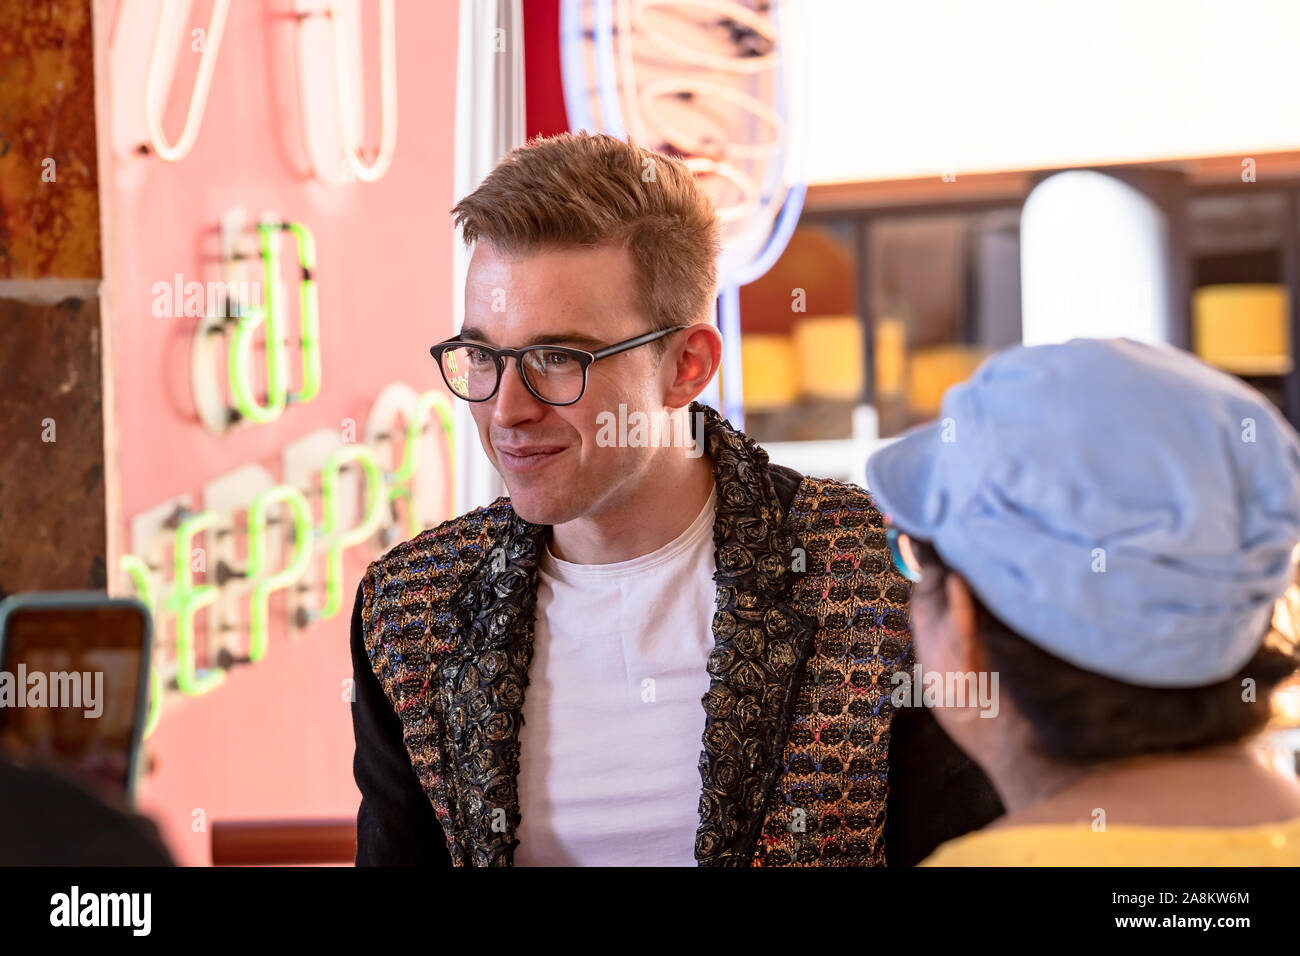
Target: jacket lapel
x=760, y=643
x=482, y=682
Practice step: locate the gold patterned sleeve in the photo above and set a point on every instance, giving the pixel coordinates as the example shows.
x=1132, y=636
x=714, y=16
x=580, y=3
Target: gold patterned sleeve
x=396, y=824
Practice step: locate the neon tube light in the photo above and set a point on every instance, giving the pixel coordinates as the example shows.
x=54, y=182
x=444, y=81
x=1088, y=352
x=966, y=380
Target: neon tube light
x=185, y=598
x=369, y=172
x=308, y=311
x=733, y=386
x=415, y=426
x=271, y=315
x=155, y=97
x=606, y=83
x=259, y=634
x=339, y=541
x=184, y=601
x=724, y=10
x=143, y=581
x=599, y=71
x=572, y=55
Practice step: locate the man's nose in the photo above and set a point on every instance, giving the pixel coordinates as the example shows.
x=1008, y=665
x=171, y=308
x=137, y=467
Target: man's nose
x=515, y=404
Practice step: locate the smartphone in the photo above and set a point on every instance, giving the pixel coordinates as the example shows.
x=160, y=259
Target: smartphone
x=74, y=684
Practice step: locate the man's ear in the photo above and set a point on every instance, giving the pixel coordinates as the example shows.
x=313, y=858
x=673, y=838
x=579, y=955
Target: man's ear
x=964, y=632
x=692, y=363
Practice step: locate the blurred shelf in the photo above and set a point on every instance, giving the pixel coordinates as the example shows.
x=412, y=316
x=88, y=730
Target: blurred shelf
x=284, y=842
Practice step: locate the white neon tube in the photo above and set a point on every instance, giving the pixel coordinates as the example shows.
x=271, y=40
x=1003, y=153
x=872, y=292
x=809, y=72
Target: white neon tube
x=155, y=97
x=372, y=171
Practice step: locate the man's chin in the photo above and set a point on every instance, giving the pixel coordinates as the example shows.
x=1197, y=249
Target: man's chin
x=536, y=509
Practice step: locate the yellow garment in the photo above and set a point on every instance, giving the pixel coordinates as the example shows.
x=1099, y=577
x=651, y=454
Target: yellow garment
x=1269, y=844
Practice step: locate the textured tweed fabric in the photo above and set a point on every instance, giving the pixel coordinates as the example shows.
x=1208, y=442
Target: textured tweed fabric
x=810, y=624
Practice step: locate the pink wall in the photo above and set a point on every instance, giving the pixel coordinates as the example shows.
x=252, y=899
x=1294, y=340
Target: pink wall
x=275, y=740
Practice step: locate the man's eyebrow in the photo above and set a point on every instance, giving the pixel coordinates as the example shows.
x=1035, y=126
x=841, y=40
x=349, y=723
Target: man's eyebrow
x=568, y=338
x=577, y=339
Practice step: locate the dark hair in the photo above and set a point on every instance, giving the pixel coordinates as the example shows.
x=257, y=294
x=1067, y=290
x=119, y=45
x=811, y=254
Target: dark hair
x=1082, y=716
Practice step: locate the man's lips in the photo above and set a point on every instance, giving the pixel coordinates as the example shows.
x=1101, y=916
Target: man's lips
x=527, y=457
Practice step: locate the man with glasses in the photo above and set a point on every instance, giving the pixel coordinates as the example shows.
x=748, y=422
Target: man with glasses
x=644, y=655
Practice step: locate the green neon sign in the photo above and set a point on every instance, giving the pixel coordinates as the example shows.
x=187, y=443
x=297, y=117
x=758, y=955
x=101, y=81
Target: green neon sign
x=340, y=540
x=186, y=598
x=259, y=635
x=143, y=581
x=400, y=480
x=308, y=310
x=270, y=316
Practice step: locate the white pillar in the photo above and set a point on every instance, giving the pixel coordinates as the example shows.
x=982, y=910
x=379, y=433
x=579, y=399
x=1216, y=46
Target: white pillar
x=1098, y=259
x=489, y=123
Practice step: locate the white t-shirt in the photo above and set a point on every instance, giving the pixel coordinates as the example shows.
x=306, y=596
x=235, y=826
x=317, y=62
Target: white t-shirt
x=611, y=740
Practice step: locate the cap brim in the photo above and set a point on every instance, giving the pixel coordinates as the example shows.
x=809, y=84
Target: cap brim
x=901, y=480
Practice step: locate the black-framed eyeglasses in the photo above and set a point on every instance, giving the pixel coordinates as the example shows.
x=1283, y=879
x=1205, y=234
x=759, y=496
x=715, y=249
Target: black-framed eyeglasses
x=554, y=374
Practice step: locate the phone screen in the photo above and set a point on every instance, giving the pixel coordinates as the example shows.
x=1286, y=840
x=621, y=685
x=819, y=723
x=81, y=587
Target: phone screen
x=70, y=686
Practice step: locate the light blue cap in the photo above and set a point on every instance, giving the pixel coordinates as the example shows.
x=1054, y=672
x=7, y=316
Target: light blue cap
x=1123, y=506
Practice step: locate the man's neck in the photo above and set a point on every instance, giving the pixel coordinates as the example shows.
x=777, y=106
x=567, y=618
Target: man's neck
x=660, y=512
x=1189, y=788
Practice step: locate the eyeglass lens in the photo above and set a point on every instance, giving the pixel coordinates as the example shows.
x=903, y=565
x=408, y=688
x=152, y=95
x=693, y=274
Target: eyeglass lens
x=472, y=373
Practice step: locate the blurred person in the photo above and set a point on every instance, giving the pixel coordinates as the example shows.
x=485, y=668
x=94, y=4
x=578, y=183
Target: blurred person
x=660, y=649
x=1099, y=532
x=49, y=819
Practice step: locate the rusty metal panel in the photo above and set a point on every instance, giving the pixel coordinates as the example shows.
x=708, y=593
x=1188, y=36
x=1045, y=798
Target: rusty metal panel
x=49, y=178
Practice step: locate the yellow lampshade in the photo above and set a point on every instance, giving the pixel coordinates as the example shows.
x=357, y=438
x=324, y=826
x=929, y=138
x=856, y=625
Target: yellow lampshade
x=830, y=356
x=933, y=371
x=769, y=369
x=891, y=357
x=1242, y=328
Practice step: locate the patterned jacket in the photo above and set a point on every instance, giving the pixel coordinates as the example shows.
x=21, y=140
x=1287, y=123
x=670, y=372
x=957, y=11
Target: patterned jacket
x=799, y=732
